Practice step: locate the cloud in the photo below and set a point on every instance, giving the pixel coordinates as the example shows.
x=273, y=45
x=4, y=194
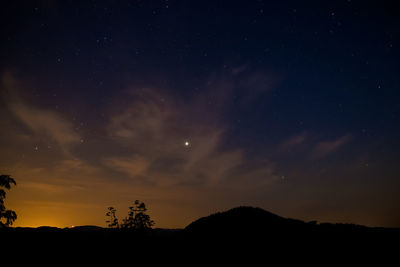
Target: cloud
x=49, y=188
x=42, y=124
x=46, y=123
x=292, y=142
x=325, y=148
x=133, y=166
x=253, y=81
x=259, y=81
x=144, y=140
x=239, y=69
x=155, y=131
x=154, y=128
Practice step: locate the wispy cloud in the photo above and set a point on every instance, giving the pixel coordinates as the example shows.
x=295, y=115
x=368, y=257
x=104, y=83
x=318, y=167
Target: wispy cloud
x=156, y=132
x=292, y=142
x=46, y=123
x=42, y=124
x=325, y=148
x=154, y=127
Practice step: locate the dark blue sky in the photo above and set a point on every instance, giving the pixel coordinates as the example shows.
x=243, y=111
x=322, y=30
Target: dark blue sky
x=293, y=106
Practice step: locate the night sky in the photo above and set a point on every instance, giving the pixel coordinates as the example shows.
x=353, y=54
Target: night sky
x=195, y=107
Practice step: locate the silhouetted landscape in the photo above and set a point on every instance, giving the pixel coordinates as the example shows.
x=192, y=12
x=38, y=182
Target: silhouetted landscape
x=243, y=230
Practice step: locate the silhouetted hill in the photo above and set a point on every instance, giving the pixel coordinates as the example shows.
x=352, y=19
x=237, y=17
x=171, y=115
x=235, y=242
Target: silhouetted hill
x=246, y=220
x=242, y=220
x=261, y=230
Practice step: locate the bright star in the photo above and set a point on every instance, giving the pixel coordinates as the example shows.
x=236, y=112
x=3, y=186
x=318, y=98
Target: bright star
x=186, y=143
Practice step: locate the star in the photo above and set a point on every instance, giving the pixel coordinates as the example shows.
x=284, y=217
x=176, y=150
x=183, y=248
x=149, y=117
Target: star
x=186, y=143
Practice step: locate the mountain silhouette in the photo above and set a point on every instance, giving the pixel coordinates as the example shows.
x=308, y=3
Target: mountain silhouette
x=254, y=233
x=243, y=221
x=240, y=218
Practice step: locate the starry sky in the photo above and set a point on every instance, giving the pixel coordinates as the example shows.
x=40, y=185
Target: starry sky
x=195, y=107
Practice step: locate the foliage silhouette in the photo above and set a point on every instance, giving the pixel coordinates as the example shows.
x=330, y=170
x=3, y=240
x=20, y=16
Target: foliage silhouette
x=137, y=218
x=8, y=215
x=113, y=220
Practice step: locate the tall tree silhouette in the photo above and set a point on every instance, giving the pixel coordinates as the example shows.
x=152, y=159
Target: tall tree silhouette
x=137, y=217
x=112, y=221
x=9, y=216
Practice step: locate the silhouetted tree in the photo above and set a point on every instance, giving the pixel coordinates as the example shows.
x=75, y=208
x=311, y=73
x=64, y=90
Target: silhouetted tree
x=8, y=215
x=137, y=217
x=112, y=221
